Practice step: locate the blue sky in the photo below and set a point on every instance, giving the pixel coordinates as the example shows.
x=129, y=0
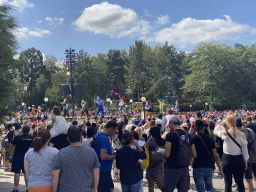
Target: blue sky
x=97, y=26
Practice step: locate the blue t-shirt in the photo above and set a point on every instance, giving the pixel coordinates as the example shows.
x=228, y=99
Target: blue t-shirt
x=102, y=142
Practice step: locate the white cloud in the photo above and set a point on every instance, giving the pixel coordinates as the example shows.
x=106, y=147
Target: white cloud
x=25, y=32
x=21, y=4
x=3, y=2
x=55, y=20
x=112, y=20
x=253, y=31
x=163, y=19
x=194, y=31
x=39, y=21
x=147, y=14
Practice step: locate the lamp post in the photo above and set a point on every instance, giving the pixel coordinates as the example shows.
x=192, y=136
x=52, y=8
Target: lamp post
x=143, y=99
x=108, y=100
x=206, y=106
x=131, y=102
x=190, y=107
x=46, y=102
x=71, y=60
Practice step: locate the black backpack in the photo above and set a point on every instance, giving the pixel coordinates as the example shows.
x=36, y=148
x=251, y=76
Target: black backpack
x=184, y=152
x=92, y=144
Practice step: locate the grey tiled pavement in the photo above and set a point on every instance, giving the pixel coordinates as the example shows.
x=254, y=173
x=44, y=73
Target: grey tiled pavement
x=6, y=183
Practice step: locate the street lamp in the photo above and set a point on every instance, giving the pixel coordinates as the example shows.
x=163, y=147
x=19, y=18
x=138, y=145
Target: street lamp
x=46, y=101
x=206, y=105
x=190, y=107
x=131, y=101
x=70, y=56
x=108, y=100
x=143, y=99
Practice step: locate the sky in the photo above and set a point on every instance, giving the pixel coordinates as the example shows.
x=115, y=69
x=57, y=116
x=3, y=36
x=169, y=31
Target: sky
x=52, y=26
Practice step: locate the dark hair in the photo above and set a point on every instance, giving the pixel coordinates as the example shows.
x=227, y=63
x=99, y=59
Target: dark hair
x=211, y=125
x=74, y=134
x=143, y=121
x=199, y=125
x=91, y=131
x=49, y=127
x=155, y=133
x=135, y=135
x=239, y=122
x=127, y=138
x=198, y=114
x=145, y=137
x=56, y=110
x=94, y=124
x=33, y=126
x=42, y=137
x=133, y=127
x=175, y=121
x=249, y=118
x=160, y=115
x=9, y=126
x=88, y=124
x=111, y=124
x=26, y=130
x=120, y=132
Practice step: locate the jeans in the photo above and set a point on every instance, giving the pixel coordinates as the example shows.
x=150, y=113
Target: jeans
x=133, y=188
x=203, y=179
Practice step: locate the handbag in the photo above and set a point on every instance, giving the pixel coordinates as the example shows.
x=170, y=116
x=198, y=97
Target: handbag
x=155, y=158
x=213, y=161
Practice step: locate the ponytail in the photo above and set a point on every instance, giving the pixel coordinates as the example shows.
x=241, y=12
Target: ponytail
x=42, y=137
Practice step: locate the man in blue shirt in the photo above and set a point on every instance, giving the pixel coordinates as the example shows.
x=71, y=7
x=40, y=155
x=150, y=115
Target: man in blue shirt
x=104, y=151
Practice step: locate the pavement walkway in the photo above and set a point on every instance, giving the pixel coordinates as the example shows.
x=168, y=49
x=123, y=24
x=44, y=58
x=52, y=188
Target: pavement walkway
x=6, y=183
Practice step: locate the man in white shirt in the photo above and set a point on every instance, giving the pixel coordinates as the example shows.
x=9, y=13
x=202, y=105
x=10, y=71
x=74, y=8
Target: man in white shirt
x=169, y=116
x=129, y=127
x=161, y=121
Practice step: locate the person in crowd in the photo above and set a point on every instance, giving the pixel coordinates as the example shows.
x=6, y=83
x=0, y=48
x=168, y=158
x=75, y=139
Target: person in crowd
x=34, y=130
x=8, y=148
x=155, y=173
x=116, y=144
x=22, y=143
x=59, y=123
x=250, y=124
x=250, y=136
x=129, y=126
x=104, y=152
x=127, y=161
x=76, y=167
x=160, y=120
x=199, y=117
x=235, y=157
x=203, y=165
x=38, y=163
x=91, y=131
x=169, y=116
x=175, y=175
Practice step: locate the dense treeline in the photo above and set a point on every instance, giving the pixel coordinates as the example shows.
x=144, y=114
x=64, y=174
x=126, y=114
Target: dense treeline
x=221, y=75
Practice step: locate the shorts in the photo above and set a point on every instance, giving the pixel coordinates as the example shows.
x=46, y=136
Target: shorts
x=41, y=189
x=18, y=164
x=251, y=169
x=105, y=182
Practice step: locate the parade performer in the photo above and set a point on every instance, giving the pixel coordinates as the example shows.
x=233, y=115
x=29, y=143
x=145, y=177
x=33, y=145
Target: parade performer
x=122, y=103
x=84, y=107
x=39, y=109
x=65, y=107
x=160, y=104
x=147, y=106
x=100, y=106
x=176, y=106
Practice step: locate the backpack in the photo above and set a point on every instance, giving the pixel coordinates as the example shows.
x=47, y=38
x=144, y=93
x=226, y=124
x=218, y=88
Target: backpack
x=6, y=142
x=92, y=144
x=185, y=152
x=250, y=140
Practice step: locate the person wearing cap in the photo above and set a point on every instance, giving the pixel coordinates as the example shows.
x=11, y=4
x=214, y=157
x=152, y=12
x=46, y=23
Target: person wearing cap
x=22, y=144
x=175, y=175
x=250, y=135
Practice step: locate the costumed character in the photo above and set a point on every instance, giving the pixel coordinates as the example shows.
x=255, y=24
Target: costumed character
x=33, y=108
x=147, y=106
x=59, y=122
x=122, y=104
x=25, y=110
x=65, y=107
x=160, y=104
x=39, y=109
x=84, y=107
x=112, y=106
x=100, y=106
x=176, y=106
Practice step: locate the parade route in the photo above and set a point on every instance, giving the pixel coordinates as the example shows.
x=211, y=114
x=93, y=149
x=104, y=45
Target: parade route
x=6, y=183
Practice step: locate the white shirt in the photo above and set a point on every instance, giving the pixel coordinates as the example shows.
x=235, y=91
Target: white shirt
x=168, y=117
x=161, y=121
x=229, y=146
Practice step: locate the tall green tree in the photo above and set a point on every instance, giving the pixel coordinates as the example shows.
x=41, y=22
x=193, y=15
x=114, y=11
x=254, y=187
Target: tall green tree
x=8, y=44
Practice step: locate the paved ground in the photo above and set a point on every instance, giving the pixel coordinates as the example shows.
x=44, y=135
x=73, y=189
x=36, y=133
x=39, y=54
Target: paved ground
x=6, y=183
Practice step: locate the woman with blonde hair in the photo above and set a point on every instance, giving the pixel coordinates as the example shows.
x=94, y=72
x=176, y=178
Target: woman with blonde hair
x=235, y=157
